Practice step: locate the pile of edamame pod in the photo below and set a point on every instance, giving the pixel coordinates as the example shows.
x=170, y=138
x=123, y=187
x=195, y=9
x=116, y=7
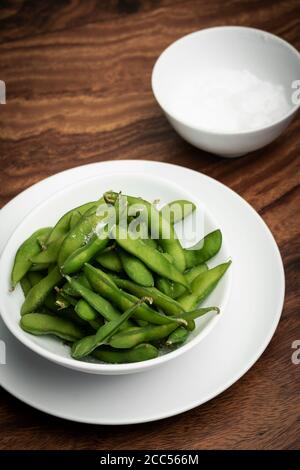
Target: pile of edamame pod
x=117, y=298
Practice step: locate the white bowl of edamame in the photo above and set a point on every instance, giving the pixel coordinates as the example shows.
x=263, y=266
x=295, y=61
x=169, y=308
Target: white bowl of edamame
x=115, y=296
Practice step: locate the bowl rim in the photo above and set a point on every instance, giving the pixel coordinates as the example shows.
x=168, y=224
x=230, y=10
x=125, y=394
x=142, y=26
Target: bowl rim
x=189, y=124
x=107, y=368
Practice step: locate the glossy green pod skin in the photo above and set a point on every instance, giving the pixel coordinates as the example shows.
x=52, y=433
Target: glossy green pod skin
x=136, y=335
x=178, y=210
x=177, y=337
x=85, y=311
x=163, y=229
x=141, y=352
x=102, y=284
x=152, y=258
x=26, y=251
x=110, y=260
x=86, y=346
x=100, y=304
x=81, y=278
x=37, y=294
x=136, y=269
x=82, y=255
x=49, y=255
x=63, y=225
x=43, y=324
x=167, y=304
x=81, y=233
x=175, y=290
x=202, y=286
x=210, y=246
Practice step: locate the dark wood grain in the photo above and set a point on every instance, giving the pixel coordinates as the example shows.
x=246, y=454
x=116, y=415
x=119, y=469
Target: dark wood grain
x=78, y=91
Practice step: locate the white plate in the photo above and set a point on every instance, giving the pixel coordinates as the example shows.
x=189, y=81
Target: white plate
x=48, y=213
x=237, y=341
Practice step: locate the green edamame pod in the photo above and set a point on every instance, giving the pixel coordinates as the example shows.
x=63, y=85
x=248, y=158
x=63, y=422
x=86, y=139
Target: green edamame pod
x=123, y=300
x=82, y=255
x=141, y=352
x=167, y=304
x=43, y=324
x=63, y=225
x=159, y=226
x=136, y=335
x=202, y=286
x=178, y=210
x=101, y=305
x=40, y=267
x=86, y=345
x=166, y=287
x=25, y=285
x=74, y=219
x=177, y=337
x=82, y=279
x=110, y=260
x=210, y=246
x=26, y=251
x=174, y=290
x=85, y=311
x=49, y=255
x=189, y=275
x=136, y=270
x=83, y=231
x=152, y=258
x=39, y=292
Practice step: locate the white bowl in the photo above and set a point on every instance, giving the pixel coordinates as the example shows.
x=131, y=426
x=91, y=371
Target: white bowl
x=47, y=213
x=235, y=48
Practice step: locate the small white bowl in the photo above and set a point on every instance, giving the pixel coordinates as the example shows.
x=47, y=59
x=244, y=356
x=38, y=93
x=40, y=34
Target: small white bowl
x=48, y=212
x=236, y=48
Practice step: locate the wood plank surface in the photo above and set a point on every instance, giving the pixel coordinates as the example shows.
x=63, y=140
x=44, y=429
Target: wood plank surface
x=78, y=91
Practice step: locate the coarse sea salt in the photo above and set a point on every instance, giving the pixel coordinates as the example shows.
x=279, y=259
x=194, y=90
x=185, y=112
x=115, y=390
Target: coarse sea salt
x=229, y=100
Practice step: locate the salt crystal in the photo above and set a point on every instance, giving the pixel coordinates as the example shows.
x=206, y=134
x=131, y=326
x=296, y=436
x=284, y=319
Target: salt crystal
x=226, y=100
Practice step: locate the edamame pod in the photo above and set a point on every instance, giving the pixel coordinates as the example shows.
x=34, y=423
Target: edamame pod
x=151, y=257
x=39, y=292
x=123, y=300
x=63, y=225
x=210, y=246
x=110, y=260
x=136, y=270
x=85, y=311
x=82, y=279
x=175, y=290
x=101, y=305
x=159, y=226
x=202, y=286
x=178, y=210
x=43, y=324
x=86, y=345
x=177, y=337
x=141, y=352
x=136, y=335
x=50, y=254
x=26, y=251
x=82, y=232
x=167, y=304
x=82, y=255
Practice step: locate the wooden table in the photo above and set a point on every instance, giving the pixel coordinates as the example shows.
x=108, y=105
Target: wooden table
x=78, y=91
